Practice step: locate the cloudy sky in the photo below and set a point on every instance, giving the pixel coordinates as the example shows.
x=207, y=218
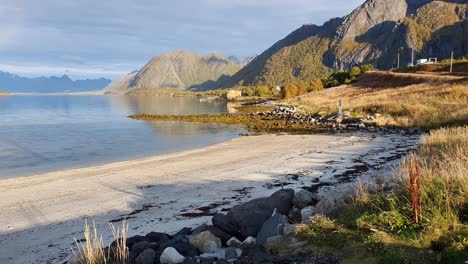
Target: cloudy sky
x=89, y=38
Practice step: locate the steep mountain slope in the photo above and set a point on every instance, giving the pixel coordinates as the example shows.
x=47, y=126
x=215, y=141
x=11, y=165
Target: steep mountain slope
x=17, y=84
x=373, y=33
x=121, y=84
x=181, y=70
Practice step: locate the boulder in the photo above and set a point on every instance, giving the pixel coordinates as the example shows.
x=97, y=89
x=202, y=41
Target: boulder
x=171, y=256
x=304, y=198
x=199, y=229
x=249, y=241
x=205, y=242
x=289, y=230
x=132, y=240
x=157, y=237
x=271, y=228
x=214, y=230
x=184, y=232
x=225, y=223
x=295, y=215
x=141, y=246
x=234, y=242
x=230, y=254
x=182, y=245
x=249, y=217
x=146, y=257
x=272, y=244
x=307, y=213
x=325, y=205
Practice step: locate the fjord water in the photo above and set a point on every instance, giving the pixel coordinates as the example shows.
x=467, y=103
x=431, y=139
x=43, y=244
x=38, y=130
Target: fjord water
x=45, y=133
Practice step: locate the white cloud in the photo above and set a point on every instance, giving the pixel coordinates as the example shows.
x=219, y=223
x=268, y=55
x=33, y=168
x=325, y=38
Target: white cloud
x=73, y=34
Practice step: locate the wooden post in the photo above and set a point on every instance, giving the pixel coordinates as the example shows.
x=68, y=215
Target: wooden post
x=451, y=62
x=340, y=110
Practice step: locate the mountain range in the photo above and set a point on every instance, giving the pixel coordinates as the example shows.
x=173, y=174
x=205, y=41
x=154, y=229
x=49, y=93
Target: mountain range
x=18, y=84
x=179, y=70
x=377, y=33
x=374, y=33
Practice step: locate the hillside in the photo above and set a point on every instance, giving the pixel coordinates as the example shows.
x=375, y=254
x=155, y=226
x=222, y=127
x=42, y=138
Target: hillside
x=18, y=84
x=401, y=99
x=373, y=33
x=180, y=70
x=121, y=84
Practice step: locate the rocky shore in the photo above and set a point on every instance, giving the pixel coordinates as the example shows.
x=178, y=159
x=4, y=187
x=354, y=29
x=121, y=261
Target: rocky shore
x=279, y=118
x=249, y=233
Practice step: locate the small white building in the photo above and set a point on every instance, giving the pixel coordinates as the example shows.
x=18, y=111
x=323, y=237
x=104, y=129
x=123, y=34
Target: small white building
x=426, y=61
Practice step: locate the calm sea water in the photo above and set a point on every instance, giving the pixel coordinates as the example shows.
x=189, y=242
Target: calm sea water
x=47, y=133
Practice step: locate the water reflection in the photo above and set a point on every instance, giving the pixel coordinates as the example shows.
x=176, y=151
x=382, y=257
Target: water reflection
x=166, y=105
x=45, y=133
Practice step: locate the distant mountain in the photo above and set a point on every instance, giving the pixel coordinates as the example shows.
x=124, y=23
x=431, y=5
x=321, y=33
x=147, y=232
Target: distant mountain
x=374, y=33
x=179, y=70
x=242, y=62
x=17, y=84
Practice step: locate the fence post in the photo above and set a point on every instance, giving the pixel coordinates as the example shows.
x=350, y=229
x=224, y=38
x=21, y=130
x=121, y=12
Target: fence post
x=340, y=110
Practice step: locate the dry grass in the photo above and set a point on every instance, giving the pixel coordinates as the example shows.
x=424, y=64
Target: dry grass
x=403, y=100
x=92, y=251
x=423, y=219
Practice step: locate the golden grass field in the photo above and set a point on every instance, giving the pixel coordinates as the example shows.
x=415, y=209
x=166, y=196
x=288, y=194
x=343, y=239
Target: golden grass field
x=402, y=99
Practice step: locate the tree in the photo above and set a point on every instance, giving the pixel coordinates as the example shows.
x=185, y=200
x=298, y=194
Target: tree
x=262, y=91
x=289, y=91
x=367, y=67
x=354, y=72
x=315, y=85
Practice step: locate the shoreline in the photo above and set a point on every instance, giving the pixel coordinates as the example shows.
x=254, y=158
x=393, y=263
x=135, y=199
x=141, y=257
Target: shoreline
x=162, y=193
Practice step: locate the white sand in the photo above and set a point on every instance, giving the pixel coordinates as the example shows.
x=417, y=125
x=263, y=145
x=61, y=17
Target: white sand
x=41, y=215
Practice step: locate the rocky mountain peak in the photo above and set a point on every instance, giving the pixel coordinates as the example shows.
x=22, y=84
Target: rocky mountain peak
x=371, y=14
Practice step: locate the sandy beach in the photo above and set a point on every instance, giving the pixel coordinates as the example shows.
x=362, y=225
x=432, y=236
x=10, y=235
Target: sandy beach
x=41, y=214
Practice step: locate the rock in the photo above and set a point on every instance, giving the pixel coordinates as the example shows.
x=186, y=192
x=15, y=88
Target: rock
x=220, y=253
x=210, y=247
x=304, y=198
x=250, y=241
x=171, y=256
x=307, y=213
x=139, y=247
x=325, y=205
x=249, y=217
x=199, y=229
x=272, y=244
x=157, y=237
x=184, y=232
x=288, y=230
x=205, y=242
x=271, y=228
x=295, y=215
x=234, y=242
x=132, y=240
x=230, y=254
x=225, y=223
x=214, y=230
x=146, y=257
x=182, y=245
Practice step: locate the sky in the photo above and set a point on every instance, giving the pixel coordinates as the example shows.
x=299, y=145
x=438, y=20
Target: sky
x=91, y=38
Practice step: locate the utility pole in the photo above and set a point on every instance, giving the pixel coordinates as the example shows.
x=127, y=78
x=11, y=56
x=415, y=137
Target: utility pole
x=398, y=61
x=451, y=63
